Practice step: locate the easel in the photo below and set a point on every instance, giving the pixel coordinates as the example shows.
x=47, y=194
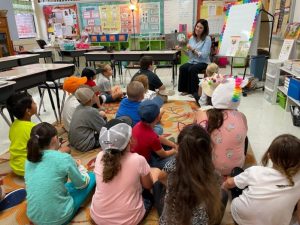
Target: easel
x=245, y=91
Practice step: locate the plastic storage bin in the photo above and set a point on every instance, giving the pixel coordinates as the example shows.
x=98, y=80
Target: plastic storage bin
x=270, y=82
x=270, y=95
x=281, y=99
x=294, y=89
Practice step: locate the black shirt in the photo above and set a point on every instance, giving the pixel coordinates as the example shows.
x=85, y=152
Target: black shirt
x=153, y=79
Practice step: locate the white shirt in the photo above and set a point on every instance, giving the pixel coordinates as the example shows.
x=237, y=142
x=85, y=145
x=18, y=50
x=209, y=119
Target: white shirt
x=69, y=107
x=149, y=95
x=264, y=202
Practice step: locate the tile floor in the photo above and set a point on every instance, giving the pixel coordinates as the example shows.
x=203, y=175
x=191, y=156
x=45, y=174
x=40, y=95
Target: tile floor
x=265, y=121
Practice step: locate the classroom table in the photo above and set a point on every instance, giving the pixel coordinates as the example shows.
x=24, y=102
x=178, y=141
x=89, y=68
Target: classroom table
x=77, y=53
x=119, y=56
x=9, y=62
x=53, y=72
x=6, y=90
x=24, y=79
x=43, y=53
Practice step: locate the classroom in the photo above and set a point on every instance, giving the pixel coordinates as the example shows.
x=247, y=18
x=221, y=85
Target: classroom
x=150, y=112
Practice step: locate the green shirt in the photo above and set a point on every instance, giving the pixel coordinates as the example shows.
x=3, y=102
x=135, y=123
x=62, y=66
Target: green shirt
x=48, y=200
x=19, y=135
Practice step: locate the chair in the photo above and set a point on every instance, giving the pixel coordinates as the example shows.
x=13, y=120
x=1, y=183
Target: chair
x=41, y=43
x=55, y=86
x=130, y=66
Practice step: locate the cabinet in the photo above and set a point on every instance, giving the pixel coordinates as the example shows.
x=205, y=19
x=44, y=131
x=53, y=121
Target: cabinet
x=272, y=80
x=6, y=47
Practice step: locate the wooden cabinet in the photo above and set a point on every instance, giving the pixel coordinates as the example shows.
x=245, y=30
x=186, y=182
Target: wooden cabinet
x=6, y=47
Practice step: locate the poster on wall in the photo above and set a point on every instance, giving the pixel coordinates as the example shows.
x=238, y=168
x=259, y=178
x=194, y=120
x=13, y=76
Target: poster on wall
x=61, y=20
x=25, y=25
x=90, y=18
x=149, y=17
x=110, y=18
x=127, y=17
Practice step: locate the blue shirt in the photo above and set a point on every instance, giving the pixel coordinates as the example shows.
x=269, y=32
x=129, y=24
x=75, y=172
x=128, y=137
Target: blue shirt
x=129, y=108
x=201, y=46
x=48, y=201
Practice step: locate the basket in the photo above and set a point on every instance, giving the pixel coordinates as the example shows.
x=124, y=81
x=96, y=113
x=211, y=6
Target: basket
x=296, y=118
x=281, y=98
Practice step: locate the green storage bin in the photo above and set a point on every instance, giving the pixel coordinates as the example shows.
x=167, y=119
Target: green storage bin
x=281, y=99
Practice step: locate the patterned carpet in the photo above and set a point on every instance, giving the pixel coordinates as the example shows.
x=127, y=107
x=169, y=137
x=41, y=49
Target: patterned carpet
x=177, y=115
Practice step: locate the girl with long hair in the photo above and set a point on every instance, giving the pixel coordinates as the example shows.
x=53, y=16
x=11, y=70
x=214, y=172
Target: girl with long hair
x=50, y=199
x=270, y=193
x=226, y=125
x=120, y=177
x=193, y=193
x=198, y=50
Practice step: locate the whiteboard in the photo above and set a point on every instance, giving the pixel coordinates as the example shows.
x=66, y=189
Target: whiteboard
x=239, y=30
x=178, y=12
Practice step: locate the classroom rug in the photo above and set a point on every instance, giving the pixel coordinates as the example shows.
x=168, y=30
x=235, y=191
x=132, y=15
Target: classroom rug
x=177, y=115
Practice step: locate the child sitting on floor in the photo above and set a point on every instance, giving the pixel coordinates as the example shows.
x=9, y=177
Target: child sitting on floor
x=129, y=106
x=148, y=94
x=120, y=177
x=147, y=142
x=70, y=85
x=112, y=94
x=86, y=122
x=22, y=106
x=193, y=193
x=203, y=97
x=91, y=75
x=147, y=67
x=50, y=199
x=270, y=193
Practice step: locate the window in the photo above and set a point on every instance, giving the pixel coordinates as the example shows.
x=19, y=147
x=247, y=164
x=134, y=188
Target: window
x=24, y=16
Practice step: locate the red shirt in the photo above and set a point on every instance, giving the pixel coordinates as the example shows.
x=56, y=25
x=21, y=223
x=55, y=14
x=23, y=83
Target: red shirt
x=92, y=83
x=145, y=140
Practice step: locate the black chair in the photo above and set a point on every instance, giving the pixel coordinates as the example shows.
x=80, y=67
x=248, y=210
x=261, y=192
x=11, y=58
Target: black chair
x=41, y=43
x=55, y=86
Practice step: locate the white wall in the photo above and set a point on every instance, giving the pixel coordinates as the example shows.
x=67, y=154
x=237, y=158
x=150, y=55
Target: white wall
x=7, y=5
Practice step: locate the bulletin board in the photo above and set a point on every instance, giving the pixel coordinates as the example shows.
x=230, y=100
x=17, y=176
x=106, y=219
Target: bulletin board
x=61, y=20
x=116, y=17
x=213, y=12
x=240, y=26
x=90, y=18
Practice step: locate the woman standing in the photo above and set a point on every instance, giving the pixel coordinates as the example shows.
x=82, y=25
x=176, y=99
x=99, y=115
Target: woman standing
x=198, y=51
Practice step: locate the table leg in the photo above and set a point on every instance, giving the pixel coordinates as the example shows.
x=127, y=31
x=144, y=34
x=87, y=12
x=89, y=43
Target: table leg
x=3, y=116
x=51, y=100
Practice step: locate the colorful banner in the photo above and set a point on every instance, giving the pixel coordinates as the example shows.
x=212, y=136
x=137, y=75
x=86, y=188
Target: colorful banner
x=116, y=17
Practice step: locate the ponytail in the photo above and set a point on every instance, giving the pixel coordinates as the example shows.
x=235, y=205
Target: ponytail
x=111, y=164
x=40, y=138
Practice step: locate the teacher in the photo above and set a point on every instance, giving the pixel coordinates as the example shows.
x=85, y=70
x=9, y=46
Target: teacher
x=198, y=50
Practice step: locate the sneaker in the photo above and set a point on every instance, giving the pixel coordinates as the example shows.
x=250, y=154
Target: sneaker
x=12, y=199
